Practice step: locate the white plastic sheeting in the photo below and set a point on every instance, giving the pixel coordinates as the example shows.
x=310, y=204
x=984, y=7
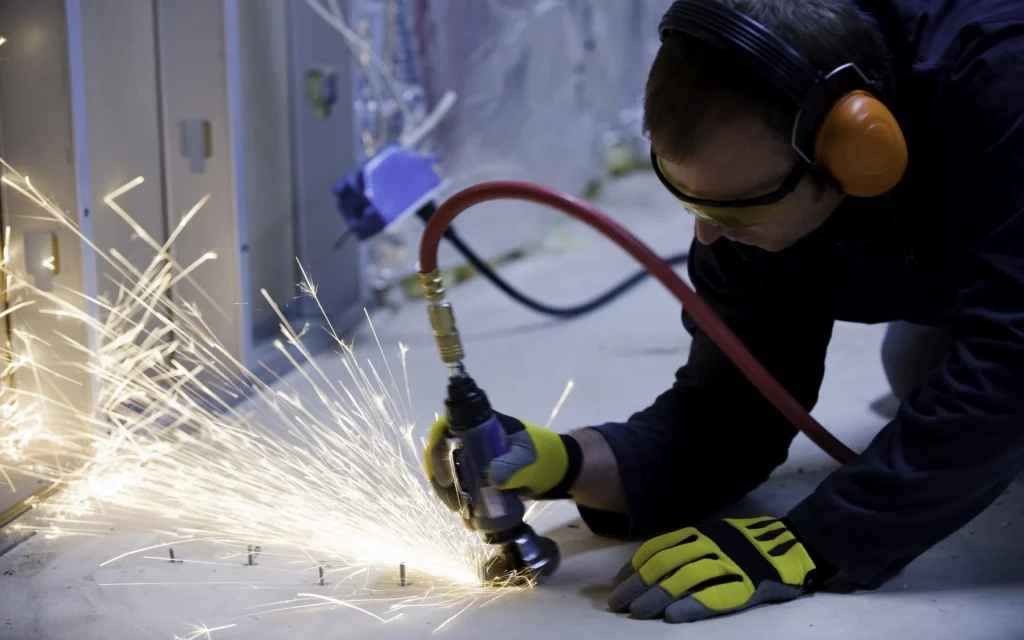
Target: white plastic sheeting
x=544, y=88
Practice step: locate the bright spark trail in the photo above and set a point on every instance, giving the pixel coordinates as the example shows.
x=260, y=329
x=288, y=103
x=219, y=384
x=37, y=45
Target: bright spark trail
x=320, y=469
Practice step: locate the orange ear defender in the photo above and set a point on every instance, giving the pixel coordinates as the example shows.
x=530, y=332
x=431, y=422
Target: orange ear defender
x=861, y=146
x=841, y=128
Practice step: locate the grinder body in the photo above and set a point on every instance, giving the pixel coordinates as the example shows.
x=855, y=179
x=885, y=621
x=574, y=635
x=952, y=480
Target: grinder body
x=476, y=438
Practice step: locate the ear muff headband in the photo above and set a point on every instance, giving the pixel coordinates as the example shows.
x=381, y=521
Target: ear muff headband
x=840, y=126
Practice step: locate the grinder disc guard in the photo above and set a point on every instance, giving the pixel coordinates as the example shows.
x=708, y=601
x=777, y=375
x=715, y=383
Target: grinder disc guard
x=525, y=558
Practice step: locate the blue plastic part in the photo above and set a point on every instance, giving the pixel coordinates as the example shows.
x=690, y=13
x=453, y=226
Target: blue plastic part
x=392, y=184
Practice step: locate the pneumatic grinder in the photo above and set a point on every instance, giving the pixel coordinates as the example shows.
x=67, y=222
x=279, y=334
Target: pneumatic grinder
x=475, y=438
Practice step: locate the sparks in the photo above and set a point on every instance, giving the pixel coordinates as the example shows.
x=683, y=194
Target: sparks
x=320, y=465
x=205, y=632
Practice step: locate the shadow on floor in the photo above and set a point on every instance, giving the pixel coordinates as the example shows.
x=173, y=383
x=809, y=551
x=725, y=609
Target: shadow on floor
x=575, y=538
x=598, y=595
x=973, y=563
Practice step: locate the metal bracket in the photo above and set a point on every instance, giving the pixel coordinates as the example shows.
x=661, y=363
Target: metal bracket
x=42, y=258
x=196, y=143
x=455, y=447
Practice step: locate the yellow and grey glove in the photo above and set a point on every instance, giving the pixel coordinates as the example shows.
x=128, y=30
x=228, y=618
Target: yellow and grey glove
x=724, y=567
x=539, y=465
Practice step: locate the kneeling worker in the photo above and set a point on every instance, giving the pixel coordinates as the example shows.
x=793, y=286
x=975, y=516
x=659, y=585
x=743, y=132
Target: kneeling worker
x=852, y=160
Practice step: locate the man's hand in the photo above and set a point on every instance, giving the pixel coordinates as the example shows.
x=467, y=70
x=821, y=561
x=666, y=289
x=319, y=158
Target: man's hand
x=727, y=566
x=538, y=461
x=437, y=466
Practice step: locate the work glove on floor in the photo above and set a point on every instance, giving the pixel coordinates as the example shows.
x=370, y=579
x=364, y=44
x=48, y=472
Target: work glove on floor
x=540, y=464
x=724, y=567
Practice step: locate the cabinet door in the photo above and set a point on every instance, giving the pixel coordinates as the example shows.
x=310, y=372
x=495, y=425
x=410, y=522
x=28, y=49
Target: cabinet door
x=36, y=139
x=122, y=118
x=325, y=150
x=198, y=161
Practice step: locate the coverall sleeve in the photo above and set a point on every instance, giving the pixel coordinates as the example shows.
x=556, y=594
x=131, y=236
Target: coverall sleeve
x=958, y=441
x=712, y=438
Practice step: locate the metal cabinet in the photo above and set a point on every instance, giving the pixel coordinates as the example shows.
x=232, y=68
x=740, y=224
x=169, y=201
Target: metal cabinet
x=201, y=98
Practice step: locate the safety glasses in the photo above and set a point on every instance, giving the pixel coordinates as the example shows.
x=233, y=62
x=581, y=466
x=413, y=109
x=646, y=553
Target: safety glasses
x=744, y=212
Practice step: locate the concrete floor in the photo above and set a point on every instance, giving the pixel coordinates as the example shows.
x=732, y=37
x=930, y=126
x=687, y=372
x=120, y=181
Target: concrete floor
x=969, y=586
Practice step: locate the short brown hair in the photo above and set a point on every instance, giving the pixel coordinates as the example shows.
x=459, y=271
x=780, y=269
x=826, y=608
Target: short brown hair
x=693, y=86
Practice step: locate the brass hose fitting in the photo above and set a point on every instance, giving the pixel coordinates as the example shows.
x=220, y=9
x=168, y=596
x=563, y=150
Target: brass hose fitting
x=442, y=320
x=433, y=286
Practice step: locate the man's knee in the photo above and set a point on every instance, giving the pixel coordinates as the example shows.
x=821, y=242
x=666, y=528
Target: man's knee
x=909, y=353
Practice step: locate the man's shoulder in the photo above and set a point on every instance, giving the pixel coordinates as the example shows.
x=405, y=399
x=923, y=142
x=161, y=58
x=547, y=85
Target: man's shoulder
x=960, y=79
x=952, y=49
x=961, y=82
x=947, y=32
x=958, y=67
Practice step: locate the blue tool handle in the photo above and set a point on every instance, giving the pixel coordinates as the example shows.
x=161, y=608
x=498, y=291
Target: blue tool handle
x=490, y=510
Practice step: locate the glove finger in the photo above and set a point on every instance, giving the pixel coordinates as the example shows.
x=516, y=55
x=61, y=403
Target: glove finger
x=654, y=546
x=719, y=599
x=435, y=444
x=688, y=554
x=651, y=603
x=626, y=592
x=626, y=571
x=630, y=583
x=441, y=466
x=521, y=454
x=691, y=610
x=689, y=577
x=704, y=573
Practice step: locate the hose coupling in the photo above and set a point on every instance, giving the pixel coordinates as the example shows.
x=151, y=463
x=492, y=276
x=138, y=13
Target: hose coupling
x=433, y=286
x=442, y=321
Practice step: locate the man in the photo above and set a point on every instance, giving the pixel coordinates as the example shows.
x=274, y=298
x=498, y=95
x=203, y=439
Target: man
x=943, y=248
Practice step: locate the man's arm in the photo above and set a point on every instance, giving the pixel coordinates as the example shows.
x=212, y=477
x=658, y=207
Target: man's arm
x=958, y=441
x=712, y=437
x=599, y=484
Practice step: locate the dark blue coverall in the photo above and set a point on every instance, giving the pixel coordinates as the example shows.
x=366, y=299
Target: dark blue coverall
x=944, y=249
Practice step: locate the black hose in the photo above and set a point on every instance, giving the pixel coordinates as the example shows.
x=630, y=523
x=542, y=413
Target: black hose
x=558, y=312
x=340, y=242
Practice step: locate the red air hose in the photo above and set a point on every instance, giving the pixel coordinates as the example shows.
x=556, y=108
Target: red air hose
x=697, y=308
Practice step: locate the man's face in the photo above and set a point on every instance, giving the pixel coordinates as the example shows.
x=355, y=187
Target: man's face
x=743, y=161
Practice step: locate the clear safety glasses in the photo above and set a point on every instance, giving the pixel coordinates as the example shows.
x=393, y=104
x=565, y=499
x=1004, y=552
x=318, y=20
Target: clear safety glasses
x=735, y=213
